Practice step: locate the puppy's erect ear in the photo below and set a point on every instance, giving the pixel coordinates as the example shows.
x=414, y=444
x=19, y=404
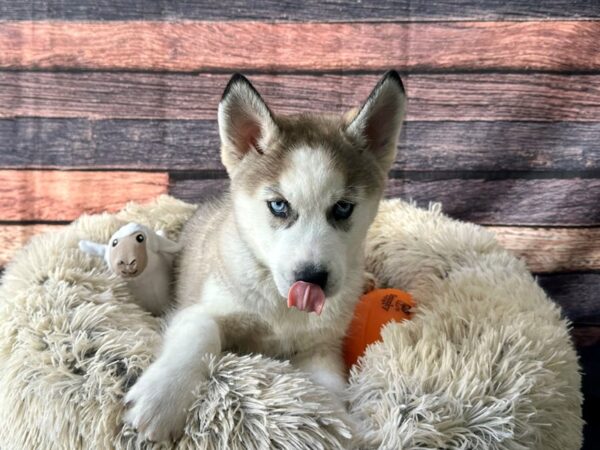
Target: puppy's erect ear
x=245, y=122
x=379, y=120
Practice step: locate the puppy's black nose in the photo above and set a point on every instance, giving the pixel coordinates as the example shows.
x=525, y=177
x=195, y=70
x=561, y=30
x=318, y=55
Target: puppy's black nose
x=312, y=274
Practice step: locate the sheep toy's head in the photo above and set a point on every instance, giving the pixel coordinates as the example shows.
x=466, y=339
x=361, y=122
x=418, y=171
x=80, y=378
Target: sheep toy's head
x=127, y=255
x=130, y=248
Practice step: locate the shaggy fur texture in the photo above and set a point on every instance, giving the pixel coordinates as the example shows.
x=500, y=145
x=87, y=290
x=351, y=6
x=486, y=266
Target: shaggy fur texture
x=486, y=363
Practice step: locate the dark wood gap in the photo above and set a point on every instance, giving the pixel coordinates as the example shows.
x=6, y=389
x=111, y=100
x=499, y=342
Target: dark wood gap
x=33, y=222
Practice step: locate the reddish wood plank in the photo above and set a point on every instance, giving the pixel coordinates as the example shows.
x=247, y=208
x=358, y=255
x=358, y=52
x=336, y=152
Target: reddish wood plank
x=13, y=237
x=194, y=46
x=553, y=249
x=456, y=97
x=58, y=195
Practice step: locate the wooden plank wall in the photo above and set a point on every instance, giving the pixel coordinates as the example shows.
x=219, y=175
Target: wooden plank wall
x=105, y=102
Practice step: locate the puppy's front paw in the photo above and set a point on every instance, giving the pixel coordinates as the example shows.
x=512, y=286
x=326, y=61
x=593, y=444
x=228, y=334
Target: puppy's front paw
x=157, y=405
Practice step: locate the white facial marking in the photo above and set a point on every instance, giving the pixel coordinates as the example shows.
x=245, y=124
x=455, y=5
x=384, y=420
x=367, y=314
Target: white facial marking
x=311, y=185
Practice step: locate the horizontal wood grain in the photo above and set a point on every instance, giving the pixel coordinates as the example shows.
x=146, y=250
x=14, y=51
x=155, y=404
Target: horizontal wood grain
x=306, y=10
x=15, y=236
x=553, y=249
x=441, y=97
x=194, y=145
x=56, y=195
x=555, y=202
x=197, y=190
x=577, y=294
x=201, y=46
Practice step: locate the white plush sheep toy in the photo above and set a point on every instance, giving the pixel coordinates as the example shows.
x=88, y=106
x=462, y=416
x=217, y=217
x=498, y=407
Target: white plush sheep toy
x=143, y=258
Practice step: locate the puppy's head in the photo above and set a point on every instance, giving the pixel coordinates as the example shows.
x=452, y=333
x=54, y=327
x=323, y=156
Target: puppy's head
x=306, y=188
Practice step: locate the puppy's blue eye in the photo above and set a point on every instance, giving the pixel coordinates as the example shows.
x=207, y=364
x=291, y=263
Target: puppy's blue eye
x=342, y=210
x=278, y=208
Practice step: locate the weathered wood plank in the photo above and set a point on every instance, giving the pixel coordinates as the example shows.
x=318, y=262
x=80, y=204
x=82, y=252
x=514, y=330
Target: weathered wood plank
x=175, y=46
x=577, y=294
x=499, y=146
x=197, y=190
x=455, y=97
x=290, y=10
x=531, y=97
x=553, y=249
x=557, y=202
x=57, y=195
x=15, y=236
x=586, y=336
x=194, y=145
x=126, y=144
x=554, y=202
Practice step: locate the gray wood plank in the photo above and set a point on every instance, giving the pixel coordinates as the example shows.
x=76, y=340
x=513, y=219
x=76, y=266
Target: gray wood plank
x=197, y=190
x=553, y=202
x=577, y=294
x=440, y=97
x=290, y=10
x=564, y=202
x=535, y=147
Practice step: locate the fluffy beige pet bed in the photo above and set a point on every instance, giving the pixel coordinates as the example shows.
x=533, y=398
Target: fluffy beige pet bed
x=486, y=363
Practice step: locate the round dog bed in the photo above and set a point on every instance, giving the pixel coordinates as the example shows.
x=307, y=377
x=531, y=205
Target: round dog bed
x=486, y=362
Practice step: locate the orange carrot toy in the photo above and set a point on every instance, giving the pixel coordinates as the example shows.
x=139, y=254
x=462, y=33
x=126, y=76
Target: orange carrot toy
x=373, y=311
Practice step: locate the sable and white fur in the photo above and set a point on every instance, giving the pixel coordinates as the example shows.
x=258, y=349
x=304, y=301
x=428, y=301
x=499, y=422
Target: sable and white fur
x=145, y=265
x=239, y=261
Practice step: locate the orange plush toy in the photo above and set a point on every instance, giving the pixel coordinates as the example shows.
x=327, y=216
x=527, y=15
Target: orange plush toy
x=373, y=311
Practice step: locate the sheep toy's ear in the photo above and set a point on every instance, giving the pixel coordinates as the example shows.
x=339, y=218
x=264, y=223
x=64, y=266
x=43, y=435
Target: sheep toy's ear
x=92, y=248
x=166, y=245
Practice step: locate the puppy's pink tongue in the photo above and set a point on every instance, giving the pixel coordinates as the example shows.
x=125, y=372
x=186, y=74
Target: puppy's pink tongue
x=306, y=297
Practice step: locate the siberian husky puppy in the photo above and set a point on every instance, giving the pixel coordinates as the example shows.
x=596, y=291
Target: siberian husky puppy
x=276, y=266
